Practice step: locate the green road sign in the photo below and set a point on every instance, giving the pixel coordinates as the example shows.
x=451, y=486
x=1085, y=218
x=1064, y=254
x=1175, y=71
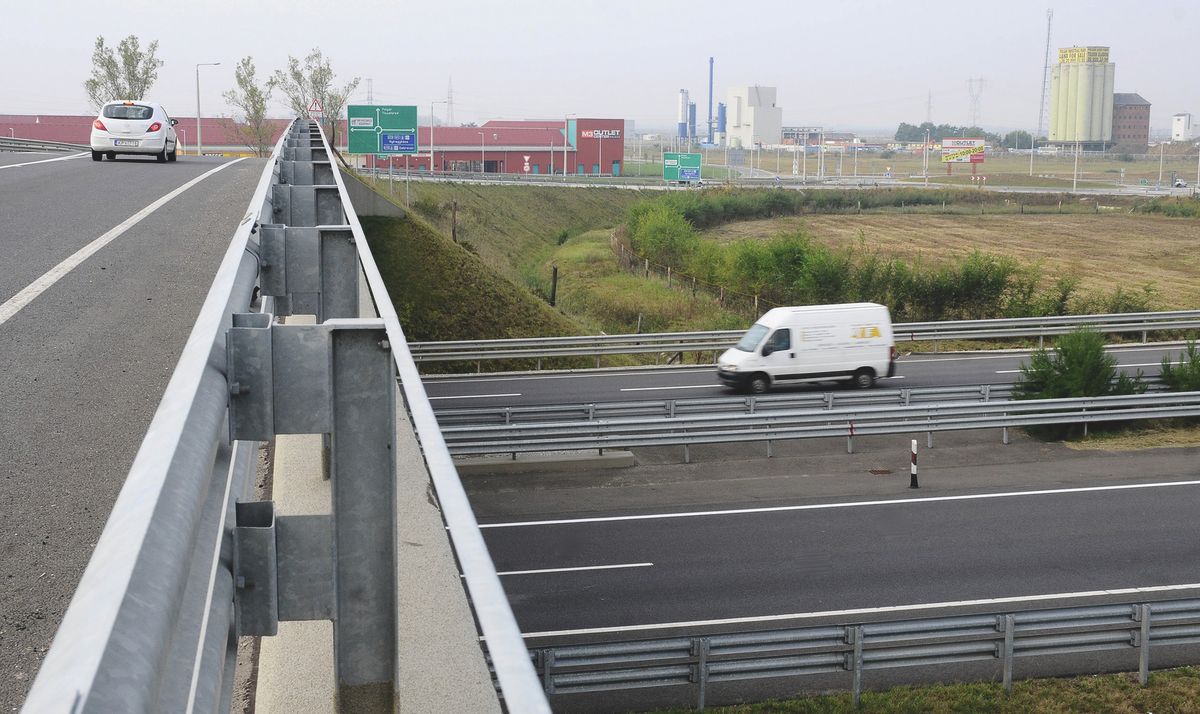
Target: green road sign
x=681, y=167
x=382, y=129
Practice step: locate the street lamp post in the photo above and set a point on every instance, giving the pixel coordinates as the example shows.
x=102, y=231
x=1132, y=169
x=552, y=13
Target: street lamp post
x=1075, y=175
x=925, y=158
x=432, y=121
x=199, y=135
x=482, y=163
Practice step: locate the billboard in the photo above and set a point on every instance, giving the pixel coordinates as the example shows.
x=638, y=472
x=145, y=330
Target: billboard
x=381, y=129
x=962, y=151
x=681, y=167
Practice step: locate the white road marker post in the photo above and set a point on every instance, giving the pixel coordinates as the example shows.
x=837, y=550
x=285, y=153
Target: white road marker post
x=912, y=479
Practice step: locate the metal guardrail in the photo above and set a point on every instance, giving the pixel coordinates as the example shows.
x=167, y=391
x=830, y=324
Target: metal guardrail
x=19, y=144
x=671, y=342
x=689, y=430
x=751, y=404
x=187, y=561
x=700, y=661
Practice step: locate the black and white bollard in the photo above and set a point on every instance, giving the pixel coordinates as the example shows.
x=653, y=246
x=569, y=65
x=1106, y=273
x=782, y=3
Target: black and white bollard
x=912, y=479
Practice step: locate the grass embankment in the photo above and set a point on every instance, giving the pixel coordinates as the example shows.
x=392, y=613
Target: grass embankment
x=444, y=292
x=514, y=229
x=1174, y=690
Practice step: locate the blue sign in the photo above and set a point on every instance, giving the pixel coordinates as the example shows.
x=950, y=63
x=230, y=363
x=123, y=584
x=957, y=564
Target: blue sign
x=686, y=174
x=403, y=142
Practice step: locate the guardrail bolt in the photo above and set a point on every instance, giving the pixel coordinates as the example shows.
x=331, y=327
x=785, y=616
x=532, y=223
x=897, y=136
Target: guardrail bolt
x=236, y=388
x=385, y=345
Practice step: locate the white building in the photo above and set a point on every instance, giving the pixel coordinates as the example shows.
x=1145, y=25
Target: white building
x=1181, y=127
x=752, y=117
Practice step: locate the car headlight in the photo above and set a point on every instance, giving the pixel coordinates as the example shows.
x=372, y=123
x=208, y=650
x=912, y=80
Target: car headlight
x=727, y=367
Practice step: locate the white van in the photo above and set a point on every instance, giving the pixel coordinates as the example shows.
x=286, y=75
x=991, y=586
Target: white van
x=816, y=343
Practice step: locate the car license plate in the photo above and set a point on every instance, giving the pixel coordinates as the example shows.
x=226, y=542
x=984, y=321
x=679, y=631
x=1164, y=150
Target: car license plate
x=125, y=142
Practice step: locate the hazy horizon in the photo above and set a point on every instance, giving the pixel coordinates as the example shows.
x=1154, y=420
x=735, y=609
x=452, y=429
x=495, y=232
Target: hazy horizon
x=863, y=65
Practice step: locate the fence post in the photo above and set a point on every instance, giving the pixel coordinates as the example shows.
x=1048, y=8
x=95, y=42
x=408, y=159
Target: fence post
x=701, y=646
x=687, y=454
x=1144, y=646
x=646, y=267
x=756, y=305
x=770, y=448
x=1010, y=624
x=858, y=665
x=668, y=276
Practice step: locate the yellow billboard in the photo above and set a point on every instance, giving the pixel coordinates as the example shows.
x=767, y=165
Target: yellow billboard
x=1070, y=55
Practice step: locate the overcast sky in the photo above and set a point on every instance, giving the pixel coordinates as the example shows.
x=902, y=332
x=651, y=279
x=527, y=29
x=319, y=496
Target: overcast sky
x=854, y=64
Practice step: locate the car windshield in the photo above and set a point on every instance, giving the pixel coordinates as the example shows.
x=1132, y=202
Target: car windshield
x=752, y=337
x=127, y=111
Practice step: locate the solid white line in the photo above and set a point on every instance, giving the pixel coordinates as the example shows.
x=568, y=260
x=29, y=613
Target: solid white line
x=682, y=386
x=848, y=504
x=615, y=373
x=52, y=276
x=576, y=570
x=1147, y=364
x=868, y=610
x=44, y=161
x=478, y=396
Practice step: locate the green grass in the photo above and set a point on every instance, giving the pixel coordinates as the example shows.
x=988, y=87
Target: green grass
x=514, y=229
x=1174, y=690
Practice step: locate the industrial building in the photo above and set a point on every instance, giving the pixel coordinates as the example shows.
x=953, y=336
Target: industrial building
x=593, y=147
x=1181, y=127
x=752, y=119
x=1081, y=97
x=1131, y=122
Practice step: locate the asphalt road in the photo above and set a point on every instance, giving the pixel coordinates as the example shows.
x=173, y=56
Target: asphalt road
x=925, y=370
x=753, y=565
x=86, y=361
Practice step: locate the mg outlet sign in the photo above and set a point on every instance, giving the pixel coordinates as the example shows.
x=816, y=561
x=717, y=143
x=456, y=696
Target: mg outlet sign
x=600, y=133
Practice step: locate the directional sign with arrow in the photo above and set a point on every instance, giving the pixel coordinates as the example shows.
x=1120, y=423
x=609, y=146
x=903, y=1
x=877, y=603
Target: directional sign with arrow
x=382, y=129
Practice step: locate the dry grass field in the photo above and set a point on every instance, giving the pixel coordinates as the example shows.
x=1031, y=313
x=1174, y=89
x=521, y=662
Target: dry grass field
x=1103, y=250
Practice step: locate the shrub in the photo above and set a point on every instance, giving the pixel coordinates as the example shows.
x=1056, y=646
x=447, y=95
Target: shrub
x=1078, y=366
x=1185, y=376
x=664, y=236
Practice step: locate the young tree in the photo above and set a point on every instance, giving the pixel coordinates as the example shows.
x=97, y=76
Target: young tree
x=251, y=98
x=127, y=73
x=302, y=84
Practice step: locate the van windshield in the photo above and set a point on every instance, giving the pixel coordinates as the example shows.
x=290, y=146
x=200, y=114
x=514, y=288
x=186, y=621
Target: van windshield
x=752, y=337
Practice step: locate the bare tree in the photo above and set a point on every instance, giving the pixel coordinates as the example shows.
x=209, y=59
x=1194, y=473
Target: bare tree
x=127, y=73
x=254, y=130
x=314, y=80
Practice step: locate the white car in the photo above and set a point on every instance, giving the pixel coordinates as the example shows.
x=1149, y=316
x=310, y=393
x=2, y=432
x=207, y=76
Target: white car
x=134, y=128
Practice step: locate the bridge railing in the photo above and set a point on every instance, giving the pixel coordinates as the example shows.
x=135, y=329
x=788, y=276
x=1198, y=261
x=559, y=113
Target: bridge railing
x=670, y=342
x=699, y=662
x=188, y=560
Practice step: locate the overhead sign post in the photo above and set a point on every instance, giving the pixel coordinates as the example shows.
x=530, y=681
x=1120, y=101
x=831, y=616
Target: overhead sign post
x=962, y=151
x=381, y=129
x=681, y=167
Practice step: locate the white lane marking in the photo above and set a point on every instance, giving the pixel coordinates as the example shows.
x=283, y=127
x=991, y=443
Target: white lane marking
x=856, y=612
x=473, y=380
x=1146, y=364
x=52, y=276
x=682, y=386
x=478, y=396
x=575, y=570
x=44, y=161
x=847, y=504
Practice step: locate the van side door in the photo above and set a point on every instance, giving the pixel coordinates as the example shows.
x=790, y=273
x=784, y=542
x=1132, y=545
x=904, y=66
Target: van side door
x=778, y=354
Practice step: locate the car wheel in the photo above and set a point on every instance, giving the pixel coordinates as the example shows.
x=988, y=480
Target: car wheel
x=864, y=378
x=97, y=156
x=174, y=153
x=759, y=384
x=112, y=156
x=161, y=157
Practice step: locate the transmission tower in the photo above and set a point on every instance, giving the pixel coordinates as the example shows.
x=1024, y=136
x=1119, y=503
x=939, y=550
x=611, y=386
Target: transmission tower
x=1045, y=75
x=975, y=89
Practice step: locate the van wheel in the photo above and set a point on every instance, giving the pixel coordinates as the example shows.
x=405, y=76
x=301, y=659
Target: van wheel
x=864, y=378
x=759, y=384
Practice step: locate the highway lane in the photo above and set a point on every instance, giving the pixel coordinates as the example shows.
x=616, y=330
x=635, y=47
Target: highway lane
x=924, y=370
x=13, y=158
x=86, y=361
x=774, y=568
